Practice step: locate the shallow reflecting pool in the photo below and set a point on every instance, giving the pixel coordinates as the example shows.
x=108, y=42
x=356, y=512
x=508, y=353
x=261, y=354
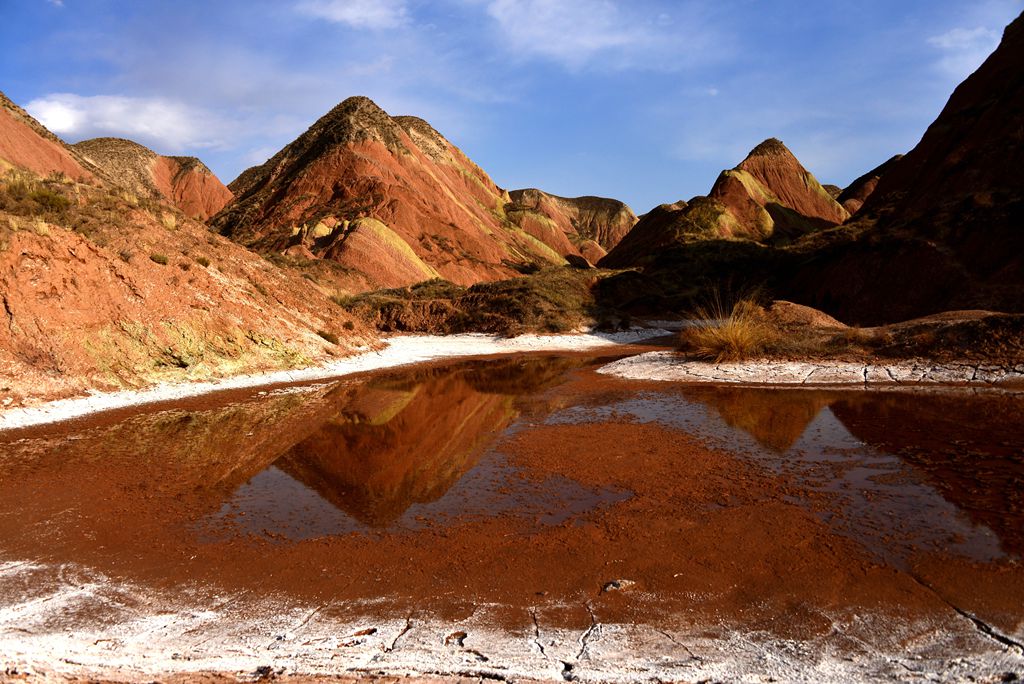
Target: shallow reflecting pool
x=541, y=490
x=904, y=470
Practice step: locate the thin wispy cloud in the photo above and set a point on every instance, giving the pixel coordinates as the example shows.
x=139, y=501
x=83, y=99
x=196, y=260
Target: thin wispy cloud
x=623, y=35
x=369, y=14
x=964, y=49
x=259, y=155
x=569, y=31
x=166, y=125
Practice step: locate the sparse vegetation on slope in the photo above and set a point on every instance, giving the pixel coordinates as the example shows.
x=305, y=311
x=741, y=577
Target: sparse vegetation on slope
x=552, y=300
x=22, y=193
x=92, y=302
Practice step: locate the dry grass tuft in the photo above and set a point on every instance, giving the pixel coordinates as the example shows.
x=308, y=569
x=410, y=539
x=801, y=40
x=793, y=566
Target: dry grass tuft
x=729, y=333
x=169, y=221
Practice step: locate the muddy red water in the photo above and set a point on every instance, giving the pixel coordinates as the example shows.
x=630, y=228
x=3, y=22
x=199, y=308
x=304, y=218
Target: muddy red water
x=535, y=484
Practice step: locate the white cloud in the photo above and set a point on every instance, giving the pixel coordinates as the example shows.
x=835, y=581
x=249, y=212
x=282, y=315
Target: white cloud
x=568, y=31
x=964, y=49
x=167, y=125
x=56, y=3
x=370, y=14
x=961, y=38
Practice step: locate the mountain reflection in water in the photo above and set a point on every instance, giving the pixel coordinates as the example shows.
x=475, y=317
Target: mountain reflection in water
x=907, y=469
x=397, y=452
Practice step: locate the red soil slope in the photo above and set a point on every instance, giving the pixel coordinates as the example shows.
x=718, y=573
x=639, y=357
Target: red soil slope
x=102, y=292
x=853, y=197
x=25, y=143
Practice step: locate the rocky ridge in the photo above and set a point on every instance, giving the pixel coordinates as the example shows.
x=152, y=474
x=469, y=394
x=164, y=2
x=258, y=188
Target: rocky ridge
x=183, y=182
x=593, y=225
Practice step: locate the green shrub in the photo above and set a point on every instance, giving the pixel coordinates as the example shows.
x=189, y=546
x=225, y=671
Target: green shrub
x=49, y=200
x=203, y=261
x=22, y=194
x=159, y=259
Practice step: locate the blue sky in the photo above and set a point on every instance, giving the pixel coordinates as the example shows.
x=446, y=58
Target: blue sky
x=645, y=101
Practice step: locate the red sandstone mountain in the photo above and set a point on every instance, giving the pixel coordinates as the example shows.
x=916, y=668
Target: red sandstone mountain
x=593, y=225
x=944, y=228
x=662, y=226
x=393, y=202
x=102, y=292
x=768, y=197
x=184, y=182
x=770, y=194
x=856, y=193
x=26, y=143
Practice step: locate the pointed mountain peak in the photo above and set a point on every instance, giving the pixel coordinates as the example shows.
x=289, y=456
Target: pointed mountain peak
x=355, y=119
x=772, y=147
x=357, y=107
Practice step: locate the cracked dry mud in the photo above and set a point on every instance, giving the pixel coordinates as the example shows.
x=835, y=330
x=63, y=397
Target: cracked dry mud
x=671, y=366
x=516, y=519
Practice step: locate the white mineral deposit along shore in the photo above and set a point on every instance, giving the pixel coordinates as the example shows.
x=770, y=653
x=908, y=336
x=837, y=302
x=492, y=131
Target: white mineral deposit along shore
x=400, y=351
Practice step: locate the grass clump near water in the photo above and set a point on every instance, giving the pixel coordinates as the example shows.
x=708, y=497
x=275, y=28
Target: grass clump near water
x=781, y=330
x=729, y=332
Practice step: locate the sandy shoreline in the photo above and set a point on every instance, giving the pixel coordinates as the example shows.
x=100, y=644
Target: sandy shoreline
x=400, y=351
